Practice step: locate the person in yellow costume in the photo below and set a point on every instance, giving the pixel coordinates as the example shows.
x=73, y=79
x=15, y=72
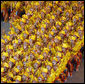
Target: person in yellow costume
x=37, y=6
x=76, y=35
x=65, y=46
x=58, y=24
x=10, y=75
x=51, y=33
x=59, y=10
x=43, y=13
x=80, y=30
x=54, y=60
x=79, y=16
x=66, y=29
x=25, y=16
x=51, y=76
x=44, y=71
x=57, y=39
x=2, y=70
x=30, y=13
x=69, y=25
x=49, y=46
x=45, y=52
x=15, y=43
x=26, y=44
x=28, y=6
x=18, y=65
x=58, y=48
x=17, y=79
x=11, y=62
x=9, y=81
x=53, y=17
x=36, y=64
x=6, y=66
x=53, y=51
x=2, y=45
x=40, y=57
x=37, y=44
x=62, y=34
x=63, y=19
x=12, y=33
x=32, y=54
x=45, y=38
x=48, y=7
x=40, y=78
x=34, y=80
x=16, y=54
x=33, y=37
x=7, y=38
x=26, y=33
x=20, y=38
x=15, y=70
x=58, y=55
x=48, y=65
x=18, y=28
x=25, y=76
x=72, y=40
x=3, y=79
x=53, y=29
x=23, y=20
x=13, y=22
x=4, y=55
x=2, y=42
x=9, y=48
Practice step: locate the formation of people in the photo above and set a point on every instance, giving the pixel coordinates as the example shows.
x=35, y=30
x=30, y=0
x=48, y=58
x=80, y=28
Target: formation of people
x=43, y=43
